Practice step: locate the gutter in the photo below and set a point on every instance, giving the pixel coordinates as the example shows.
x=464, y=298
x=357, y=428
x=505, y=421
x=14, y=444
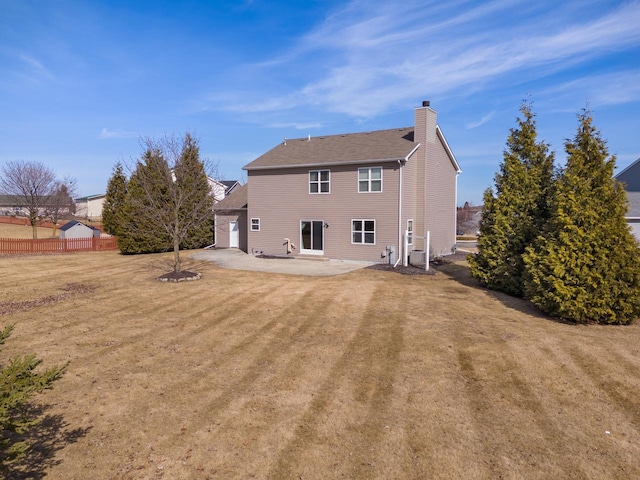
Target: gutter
x=401, y=162
x=329, y=164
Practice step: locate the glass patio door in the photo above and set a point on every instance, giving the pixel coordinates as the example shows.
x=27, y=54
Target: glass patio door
x=312, y=237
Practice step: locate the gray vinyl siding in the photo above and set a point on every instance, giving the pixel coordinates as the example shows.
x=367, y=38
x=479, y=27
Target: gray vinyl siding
x=281, y=199
x=441, y=199
x=222, y=228
x=635, y=228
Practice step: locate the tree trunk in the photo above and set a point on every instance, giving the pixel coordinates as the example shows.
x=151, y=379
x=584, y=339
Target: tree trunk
x=176, y=248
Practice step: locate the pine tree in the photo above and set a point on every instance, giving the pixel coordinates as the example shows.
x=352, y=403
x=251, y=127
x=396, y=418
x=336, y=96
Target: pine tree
x=146, y=206
x=585, y=267
x=196, y=203
x=115, y=202
x=515, y=214
x=18, y=384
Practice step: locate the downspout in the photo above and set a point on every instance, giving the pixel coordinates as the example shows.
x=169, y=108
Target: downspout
x=401, y=162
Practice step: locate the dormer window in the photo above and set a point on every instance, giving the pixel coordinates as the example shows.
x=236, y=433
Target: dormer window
x=319, y=181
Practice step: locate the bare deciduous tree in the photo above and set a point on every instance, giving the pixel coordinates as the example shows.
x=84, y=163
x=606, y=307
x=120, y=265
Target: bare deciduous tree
x=32, y=184
x=61, y=201
x=169, y=189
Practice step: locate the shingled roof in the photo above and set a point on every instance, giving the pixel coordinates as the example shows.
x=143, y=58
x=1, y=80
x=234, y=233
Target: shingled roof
x=350, y=148
x=237, y=200
x=630, y=176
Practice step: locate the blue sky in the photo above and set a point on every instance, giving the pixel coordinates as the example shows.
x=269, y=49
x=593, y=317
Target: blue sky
x=80, y=82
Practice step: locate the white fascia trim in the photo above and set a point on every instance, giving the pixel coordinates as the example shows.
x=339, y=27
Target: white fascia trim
x=448, y=149
x=327, y=164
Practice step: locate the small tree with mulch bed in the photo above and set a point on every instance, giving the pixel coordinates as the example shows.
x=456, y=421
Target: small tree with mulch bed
x=168, y=203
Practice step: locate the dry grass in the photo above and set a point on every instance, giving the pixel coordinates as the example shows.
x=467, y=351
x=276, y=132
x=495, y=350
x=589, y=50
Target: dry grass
x=365, y=375
x=21, y=231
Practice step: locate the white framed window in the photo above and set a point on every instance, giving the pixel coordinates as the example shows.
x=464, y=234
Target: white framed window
x=370, y=180
x=319, y=181
x=363, y=232
x=410, y=232
x=255, y=224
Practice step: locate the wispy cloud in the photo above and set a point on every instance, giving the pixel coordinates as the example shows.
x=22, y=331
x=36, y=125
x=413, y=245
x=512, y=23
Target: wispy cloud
x=482, y=121
x=28, y=68
x=369, y=57
x=298, y=126
x=606, y=89
x=245, y=102
x=110, y=134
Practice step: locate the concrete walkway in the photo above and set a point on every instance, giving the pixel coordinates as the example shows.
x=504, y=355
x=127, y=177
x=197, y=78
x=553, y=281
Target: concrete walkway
x=238, y=260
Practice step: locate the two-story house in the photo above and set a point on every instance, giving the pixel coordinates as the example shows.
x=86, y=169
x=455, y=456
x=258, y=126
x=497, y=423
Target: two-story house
x=354, y=196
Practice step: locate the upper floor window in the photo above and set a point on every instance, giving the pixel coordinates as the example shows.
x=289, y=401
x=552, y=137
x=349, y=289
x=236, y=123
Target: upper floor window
x=370, y=179
x=319, y=181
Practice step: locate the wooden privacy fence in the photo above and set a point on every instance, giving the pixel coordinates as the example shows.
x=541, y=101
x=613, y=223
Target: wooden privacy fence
x=56, y=245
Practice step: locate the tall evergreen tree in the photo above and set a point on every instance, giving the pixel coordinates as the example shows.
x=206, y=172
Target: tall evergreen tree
x=193, y=186
x=586, y=265
x=515, y=214
x=147, y=206
x=115, y=202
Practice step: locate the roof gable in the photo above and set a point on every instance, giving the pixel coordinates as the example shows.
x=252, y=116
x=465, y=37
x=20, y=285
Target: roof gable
x=630, y=176
x=70, y=225
x=350, y=148
x=229, y=183
x=237, y=200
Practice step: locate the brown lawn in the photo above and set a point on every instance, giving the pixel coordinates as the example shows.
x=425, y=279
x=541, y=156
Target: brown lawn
x=366, y=375
x=22, y=231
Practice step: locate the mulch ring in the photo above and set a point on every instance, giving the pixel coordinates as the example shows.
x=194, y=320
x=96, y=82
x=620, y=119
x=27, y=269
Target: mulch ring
x=418, y=270
x=182, y=276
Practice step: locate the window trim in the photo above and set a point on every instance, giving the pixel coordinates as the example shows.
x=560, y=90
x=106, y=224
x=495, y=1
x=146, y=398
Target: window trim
x=410, y=230
x=363, y=232
x=319, y=182
x=370, y=180
x=255, y=224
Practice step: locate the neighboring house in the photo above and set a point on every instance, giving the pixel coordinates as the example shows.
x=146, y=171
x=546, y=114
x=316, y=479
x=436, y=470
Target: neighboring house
x=11, y=205
x=75, y=229
x=230, y=220
x=630, y=176
x=14, y=205
x=353, y=196
x=90, y=207
x=217, y=189
x=230, y=186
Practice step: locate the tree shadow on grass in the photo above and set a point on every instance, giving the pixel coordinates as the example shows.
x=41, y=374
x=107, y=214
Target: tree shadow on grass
x=459, y=271
x=46, y=438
